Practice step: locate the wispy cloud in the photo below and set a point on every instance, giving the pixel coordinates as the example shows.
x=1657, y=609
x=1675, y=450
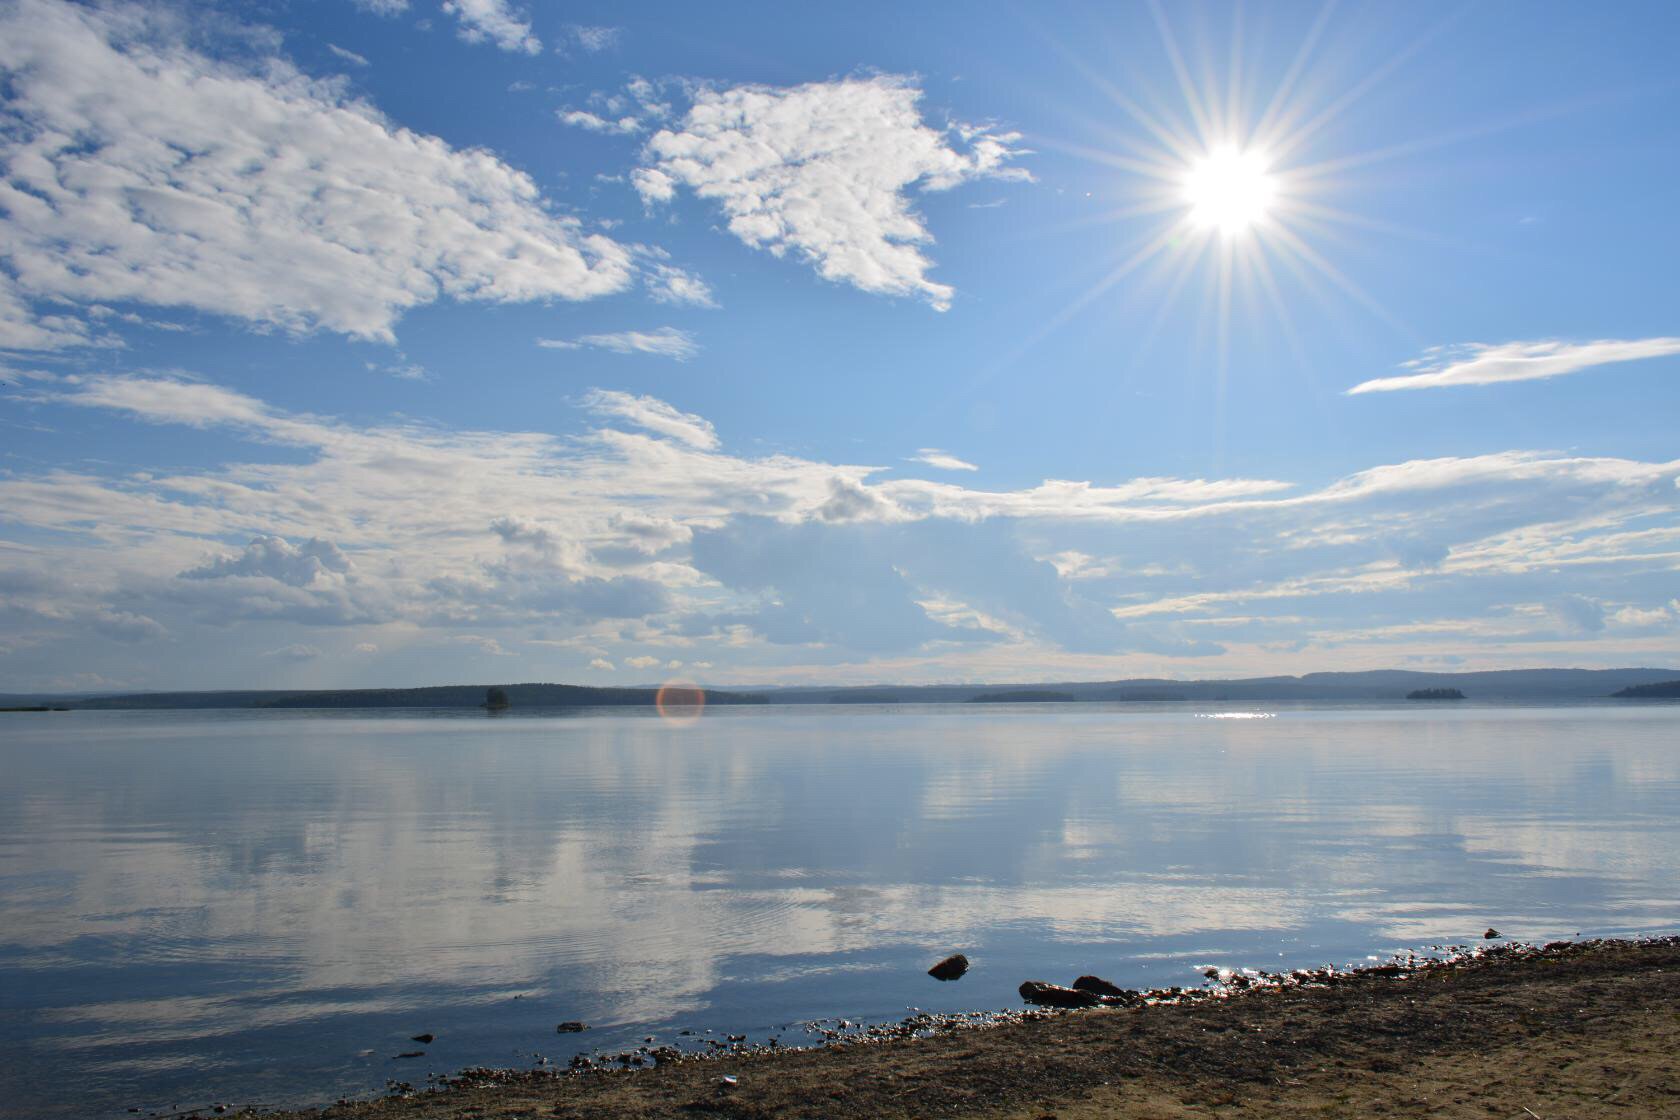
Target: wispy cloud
x=666, y=342
x=351, y=57
x=669, y=284
x=934, y=457
x=1479, y=363
x=644, y=533
x=594, y=39
x=295, y=652
x=823, y=170
x=654, y=415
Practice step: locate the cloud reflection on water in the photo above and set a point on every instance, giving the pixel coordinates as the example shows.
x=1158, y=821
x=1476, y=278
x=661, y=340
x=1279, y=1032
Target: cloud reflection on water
x=168, y=882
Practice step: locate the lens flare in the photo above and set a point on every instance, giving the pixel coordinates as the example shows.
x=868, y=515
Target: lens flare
x=680, y=702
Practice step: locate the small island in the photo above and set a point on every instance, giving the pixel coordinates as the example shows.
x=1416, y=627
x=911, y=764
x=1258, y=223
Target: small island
x=1435, y=694
x=1661, y=690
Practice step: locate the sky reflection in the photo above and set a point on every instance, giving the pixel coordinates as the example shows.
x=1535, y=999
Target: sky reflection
x=191, y=903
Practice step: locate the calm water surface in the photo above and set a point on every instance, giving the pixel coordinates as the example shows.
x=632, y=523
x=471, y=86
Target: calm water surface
x=262, y=908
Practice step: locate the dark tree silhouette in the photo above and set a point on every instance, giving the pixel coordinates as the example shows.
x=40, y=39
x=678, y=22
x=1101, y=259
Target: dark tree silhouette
x=495, y=699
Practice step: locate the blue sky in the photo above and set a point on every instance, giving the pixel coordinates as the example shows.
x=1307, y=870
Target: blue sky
x=386, y=343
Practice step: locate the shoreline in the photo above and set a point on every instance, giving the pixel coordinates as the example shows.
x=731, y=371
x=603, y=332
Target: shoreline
x=1567, y=1028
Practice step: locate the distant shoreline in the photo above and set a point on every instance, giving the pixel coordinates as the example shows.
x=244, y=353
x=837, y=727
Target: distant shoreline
x=1569, y=1029
x=1376, y=684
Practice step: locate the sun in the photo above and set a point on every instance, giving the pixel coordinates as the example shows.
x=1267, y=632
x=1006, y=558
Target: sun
x=1229, y=190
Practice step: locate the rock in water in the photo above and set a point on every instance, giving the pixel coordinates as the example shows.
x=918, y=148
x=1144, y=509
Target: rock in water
x=571, y=1026
x=1054, y=995
x=424, y=1037
x=951, y=968
x=1098, y=986
x=1491, y=933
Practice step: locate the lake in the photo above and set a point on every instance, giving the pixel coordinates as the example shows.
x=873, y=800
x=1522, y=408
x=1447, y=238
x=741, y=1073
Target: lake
x=264, y=907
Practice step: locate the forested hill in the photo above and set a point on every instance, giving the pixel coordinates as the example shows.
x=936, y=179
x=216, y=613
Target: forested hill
x=1513, y=685
x=1662, y=690
x=1526, y=685
x=442, y=696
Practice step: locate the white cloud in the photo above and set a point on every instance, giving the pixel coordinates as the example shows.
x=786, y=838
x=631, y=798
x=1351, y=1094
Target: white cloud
x=367, y=647
x=494, y=21
x=351, y=57
x=382, y=7
x=602, y=664
x=643, y=662
x=823, y=169
x=654, y=415
x=1643, y=617
x=934, y=457
x=1479, y=363
x=594, y=39
x=644, y=533
x=666, y=342
x=277, y=558
x=257, y=193
x=593, y=122
x=669, y=284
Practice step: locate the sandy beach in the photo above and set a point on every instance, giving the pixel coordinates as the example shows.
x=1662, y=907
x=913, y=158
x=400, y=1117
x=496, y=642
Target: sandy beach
x=1567, y=1030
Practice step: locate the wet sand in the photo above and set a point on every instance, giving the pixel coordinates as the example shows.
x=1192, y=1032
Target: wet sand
x=1568, y=1030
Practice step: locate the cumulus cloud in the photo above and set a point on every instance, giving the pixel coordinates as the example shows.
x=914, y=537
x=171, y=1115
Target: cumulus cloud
x=519, y=530
x=138, y=169
x=495, y=22
x=1479, y=363
x=276, y=558
x=666, y=342
x=941, y=460
x=632, y=110
x=594, y=122
x=823, y=170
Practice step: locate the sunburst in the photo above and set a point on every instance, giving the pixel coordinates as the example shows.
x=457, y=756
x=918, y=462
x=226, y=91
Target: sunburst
x=1233, y=201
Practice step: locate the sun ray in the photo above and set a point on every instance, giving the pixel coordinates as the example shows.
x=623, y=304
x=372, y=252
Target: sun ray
x=1297, y=136
x=1186, y=86
x=1307, y=253
x=1286, y=85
